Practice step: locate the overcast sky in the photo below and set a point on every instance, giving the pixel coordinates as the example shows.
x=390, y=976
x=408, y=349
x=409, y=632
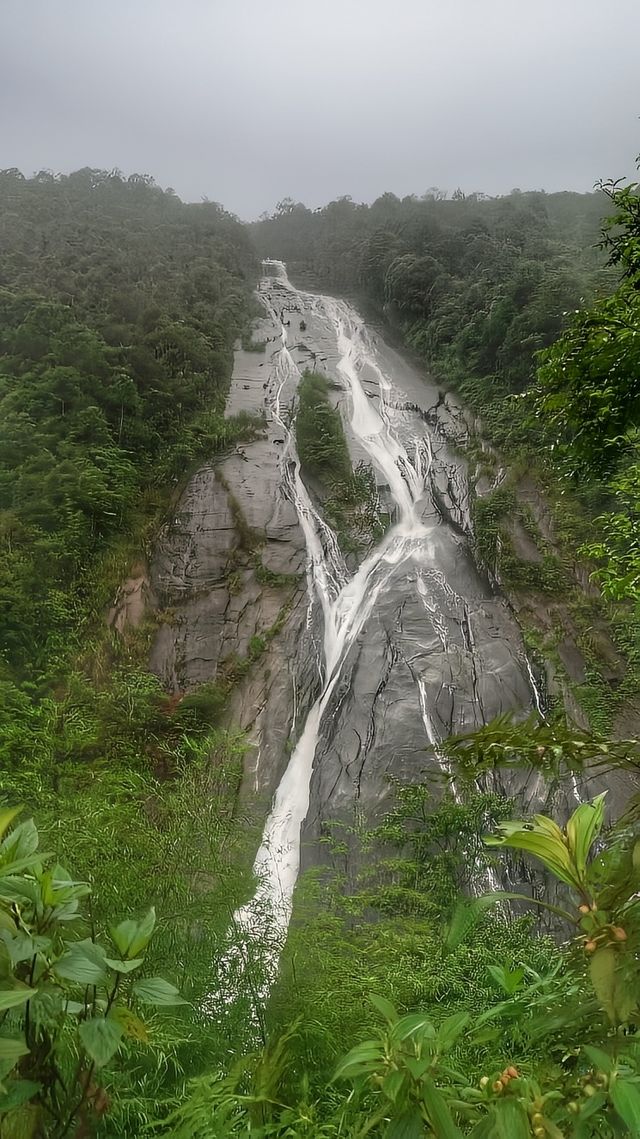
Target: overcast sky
x=248, y=101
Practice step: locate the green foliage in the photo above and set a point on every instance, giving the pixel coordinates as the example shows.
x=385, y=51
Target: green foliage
x=608, y=908
x=353, y=509
x=115, y=356
x=395, y=930
x=69, y=1001
x=494, y=516
x=351, y=504
x=616, y=551
x=589, y=393
x=534, y=1054
x=266, y=576
x=320, y=438
x=553, y=748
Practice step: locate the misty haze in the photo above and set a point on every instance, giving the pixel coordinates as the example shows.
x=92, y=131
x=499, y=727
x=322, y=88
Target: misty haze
x=247, y=103
x=319, y=570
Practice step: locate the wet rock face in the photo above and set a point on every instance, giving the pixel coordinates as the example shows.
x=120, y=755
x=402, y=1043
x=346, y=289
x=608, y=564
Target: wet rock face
x=438, y=650
x=428, y=664
x=212, y=573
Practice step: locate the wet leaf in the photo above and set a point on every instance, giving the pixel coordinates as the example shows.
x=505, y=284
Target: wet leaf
x=157, y=991
x=7, y=815
x=101, y=1038
x=440, y=1117
x=124, y=966
x=625, y=1097
x=583, y=828
x=416, y=1023
x=600, y=1060
x=11, y=998
x=364, y=1057
x=83, y=963
x=131, y=937
x=385, y=1007
x=409, y=1125
x=11, y=1049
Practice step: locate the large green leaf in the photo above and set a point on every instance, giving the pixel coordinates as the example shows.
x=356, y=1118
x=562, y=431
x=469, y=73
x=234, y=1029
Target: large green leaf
x=415, y=1024
x=409, y=1125
x=58, y=889
x=11, y=998
x=7, y=815
x=22, y=843
x=28, y=862
x=583, y=828
x=417, y=1066
x=22, y=947
x=600, y=1060
x=11, y=1049
x=385, y=1007
x=615, y=994
x=143, y=933
x=101, y=1038
x=18, y=1092
x=394, y=1083
x=451, y=1028
x=625, y=1097
x=124, y=966
x=123, y=934
x=157, y=991
x=543, y=839
x=364, y=1057
x=131, y=937
x=17, y=889
x=510, y=980
x=510, y=1120
x=84, y=963
x=440, y=1117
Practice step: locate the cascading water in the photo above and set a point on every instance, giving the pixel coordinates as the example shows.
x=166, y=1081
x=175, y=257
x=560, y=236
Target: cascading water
x=346, y=604
x=346, y=601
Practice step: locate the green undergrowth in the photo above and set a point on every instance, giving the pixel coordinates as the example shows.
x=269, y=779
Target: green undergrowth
x=266, y=576
x=320, y=437
x=350, y=497
x=386, y=932
x=494, y=514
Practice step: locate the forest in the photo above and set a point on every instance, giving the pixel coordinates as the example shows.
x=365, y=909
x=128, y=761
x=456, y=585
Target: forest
x=416, y=998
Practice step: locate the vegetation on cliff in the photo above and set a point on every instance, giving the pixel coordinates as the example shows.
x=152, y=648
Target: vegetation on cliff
x=119, y=307
x=412, y=1000
x=350, y=495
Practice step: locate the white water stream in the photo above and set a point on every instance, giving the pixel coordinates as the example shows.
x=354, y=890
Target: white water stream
x=346, y=602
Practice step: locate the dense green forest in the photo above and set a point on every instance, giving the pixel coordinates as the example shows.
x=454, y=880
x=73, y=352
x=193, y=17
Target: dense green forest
x=406, y=1005
x=120, y=306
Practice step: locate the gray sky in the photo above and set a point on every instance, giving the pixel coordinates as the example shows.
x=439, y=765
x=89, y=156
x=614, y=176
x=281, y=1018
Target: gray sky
x=248, y=101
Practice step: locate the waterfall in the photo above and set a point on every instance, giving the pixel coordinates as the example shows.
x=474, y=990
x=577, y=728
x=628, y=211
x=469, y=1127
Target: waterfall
x=346, y=601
